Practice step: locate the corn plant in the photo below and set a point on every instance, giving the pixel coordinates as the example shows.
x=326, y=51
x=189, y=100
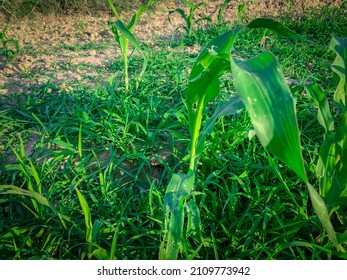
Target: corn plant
x=189, y=17
x=123, y=36
x=331, y=168
x=221, y=10
x=10, y=47
x=263, y=91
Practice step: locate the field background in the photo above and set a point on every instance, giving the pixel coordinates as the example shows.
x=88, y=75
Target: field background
x=63, y=92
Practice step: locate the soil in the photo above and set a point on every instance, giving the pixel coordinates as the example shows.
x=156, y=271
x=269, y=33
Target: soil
x=49, y=43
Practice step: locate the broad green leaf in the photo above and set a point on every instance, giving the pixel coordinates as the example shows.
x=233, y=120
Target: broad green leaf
x=341, y=150
x=263, y=89
x=324, y=116
x=180, y=186
x=274, y=26
x=87, y=216
x=227, y=107
x=203, y=86
x=339, y=66
x=231, y=106
x=326, y=166
x=193, y=214
x=322, y=213
x=211, y=63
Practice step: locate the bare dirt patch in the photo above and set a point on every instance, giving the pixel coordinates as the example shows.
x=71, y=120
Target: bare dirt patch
x=53, y=45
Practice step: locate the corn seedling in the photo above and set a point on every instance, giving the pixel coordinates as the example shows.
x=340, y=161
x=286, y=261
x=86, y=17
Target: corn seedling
x=10, y=47
x=331, y=168
x=220, y=12
x=263, y=91
x=189, y=18
x=123, y=36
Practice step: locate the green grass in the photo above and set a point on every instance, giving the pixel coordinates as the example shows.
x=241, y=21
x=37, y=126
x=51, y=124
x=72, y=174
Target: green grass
x=120, y=150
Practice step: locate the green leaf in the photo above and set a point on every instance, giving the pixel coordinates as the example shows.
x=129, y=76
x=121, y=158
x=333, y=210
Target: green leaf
x=180, y=186
x=101, y=254
x=221, y=10
x=341, y=150
x=203, y=86
x=191, y=5
x=9, y=189
x=87, y=216
x=326, y=167
x=139, y=12
x=181, y=12
x=65, y=145
x=339, y=66
x=193, y=215
x=324, y=116
x=126, y=34
x=114, y=244
x=263, y=89
x=322, y=213
x=227, y=107
x=276, y=27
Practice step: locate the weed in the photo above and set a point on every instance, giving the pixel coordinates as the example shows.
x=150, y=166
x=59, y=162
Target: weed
x=10, y=47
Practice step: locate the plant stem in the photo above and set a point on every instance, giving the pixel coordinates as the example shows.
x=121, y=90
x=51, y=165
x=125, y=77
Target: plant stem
x=195, y=134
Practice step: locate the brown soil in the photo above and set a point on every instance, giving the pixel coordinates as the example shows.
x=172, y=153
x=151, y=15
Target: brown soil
x=42, y=39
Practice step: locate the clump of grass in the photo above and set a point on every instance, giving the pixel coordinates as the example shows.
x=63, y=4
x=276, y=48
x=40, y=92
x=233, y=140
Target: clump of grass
x=10, y=47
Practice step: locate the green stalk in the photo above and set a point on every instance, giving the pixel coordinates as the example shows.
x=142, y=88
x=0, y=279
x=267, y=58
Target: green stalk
x=195, y=136
x=126, y=63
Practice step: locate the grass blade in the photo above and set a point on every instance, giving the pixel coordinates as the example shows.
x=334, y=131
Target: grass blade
x=9, y=189
x=87, y=219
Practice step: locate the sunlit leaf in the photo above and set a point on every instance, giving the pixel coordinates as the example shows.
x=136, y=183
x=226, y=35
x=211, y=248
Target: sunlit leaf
x=87, y=216
x=324, y=116
x=262, y=87
x=322, y=213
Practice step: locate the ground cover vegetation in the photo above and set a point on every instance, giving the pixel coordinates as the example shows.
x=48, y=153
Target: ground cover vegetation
x=172, y=165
